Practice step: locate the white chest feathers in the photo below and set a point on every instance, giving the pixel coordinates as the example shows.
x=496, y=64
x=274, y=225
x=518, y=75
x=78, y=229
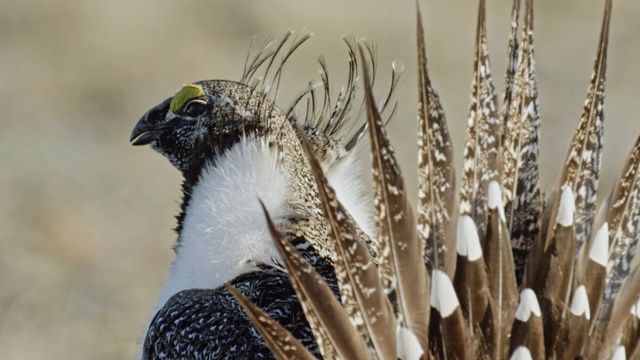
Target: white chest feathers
x=224, y=232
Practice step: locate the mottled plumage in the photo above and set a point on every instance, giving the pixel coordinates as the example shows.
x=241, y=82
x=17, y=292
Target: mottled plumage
x=436, y=176
x=573, y=268
x=234, y=146
x=484, y=133
x=520, y=174
x=497, y=273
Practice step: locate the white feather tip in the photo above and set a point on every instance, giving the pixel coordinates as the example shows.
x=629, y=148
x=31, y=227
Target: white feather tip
x=494, y=198
x=443, y=295
x=567, y=208
x=521, y=353
x=408, y=345
x=635, y=309
x=619, y=354
x=528, y=305
x=468, y=243
x=599, y=250
x=580, y=303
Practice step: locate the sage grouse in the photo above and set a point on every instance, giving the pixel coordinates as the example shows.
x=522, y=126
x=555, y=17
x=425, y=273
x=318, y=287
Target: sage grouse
x=234, y=147
x=492, y=271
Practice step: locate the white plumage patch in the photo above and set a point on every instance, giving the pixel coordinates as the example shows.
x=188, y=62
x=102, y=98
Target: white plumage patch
x=521, y=353
x=345, y=178
x=224, y=232
x=443, y=295
x=408, y=345
x=599, y=252
x=528, y=305
x=468, y=242
x=566, y=209
x=619, y=354
x=580, y=303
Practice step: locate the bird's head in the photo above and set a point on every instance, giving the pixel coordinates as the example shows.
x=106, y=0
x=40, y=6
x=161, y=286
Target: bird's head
x=203, y=119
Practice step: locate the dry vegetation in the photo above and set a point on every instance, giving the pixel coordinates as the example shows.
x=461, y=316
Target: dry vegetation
x=85, y=219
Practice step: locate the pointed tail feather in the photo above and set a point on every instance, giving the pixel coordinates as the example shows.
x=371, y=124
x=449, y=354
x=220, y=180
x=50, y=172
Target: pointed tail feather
x=500, y=271
x=557, y=270
x=329, y=322
x=631, y=333
x=449, y=314
x=591, y=265
x=581, y=169
x=512, y=64
x=623, y=215
x=577, y=326
x=471, y=282
x=360, y=286
x=436, y=176
x=527, y=326
x=483, y=133
x=401, y=263
x=520, y=174
x=625, y=300
x=581, y=294
x=623, y=226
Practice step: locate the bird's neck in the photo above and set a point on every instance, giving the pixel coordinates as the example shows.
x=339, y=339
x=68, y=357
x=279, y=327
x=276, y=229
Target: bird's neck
x=222, y=229
x=223, y=232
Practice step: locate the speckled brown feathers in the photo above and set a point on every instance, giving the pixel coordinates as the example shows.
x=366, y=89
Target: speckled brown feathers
x=581, y=168
x=401, y=265
x=436, y=176
x=324, y=312
x=484, y=133
x=519, y=279
x=360, y=285
x=623, y=241
x=623, y=219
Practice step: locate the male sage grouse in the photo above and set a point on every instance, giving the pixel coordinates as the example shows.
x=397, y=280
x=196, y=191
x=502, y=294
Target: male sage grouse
x=492, y=271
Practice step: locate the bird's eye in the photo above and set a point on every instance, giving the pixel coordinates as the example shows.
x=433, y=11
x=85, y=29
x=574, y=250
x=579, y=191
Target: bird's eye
x=195, y=108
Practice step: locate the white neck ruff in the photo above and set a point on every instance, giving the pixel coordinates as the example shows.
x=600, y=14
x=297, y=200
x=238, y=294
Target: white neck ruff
x=224, y=233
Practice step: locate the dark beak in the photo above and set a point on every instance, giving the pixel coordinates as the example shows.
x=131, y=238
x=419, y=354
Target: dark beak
x=151, y=125
x=144, y=132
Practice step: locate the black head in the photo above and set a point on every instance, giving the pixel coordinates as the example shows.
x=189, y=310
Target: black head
x=203, y=119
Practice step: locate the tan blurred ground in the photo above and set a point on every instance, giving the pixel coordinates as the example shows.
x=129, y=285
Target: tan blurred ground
x=85, y=219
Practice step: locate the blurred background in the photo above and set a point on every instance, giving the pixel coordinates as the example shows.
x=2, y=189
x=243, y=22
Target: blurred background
x=86, y=219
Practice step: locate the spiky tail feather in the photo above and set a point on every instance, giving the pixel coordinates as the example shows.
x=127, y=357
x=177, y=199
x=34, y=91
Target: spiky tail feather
x=573, y=291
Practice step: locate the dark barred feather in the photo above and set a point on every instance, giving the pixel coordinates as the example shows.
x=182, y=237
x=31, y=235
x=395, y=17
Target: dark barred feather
x=520, y=175
x=620, y=313
x=580, y=291
x=512, y=65
x=484, y=131
x=623, y=217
